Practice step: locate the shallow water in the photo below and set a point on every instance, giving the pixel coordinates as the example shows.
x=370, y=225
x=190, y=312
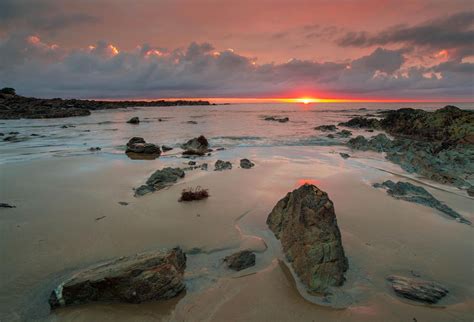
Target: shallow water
x=60, y=191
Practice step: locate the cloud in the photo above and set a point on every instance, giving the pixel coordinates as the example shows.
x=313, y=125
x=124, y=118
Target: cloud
x=38, y=68
x=451, y=32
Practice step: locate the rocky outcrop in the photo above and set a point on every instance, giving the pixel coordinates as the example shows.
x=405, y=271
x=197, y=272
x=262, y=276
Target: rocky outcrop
x=409, y=192
x=240, y=260
x=305, y=222
x=134, y=120
x=196, y=146
x=344, y=134
x=362, y=122
x=222, y=165
x=134, y=279
x=139, y=145
x=246, y=164
x=379, y=143
x=326, y=128
x=416, y=289
x=160, y=179
x=13, y=106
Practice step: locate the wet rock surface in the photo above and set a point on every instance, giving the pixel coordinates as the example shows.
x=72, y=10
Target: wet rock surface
x=409, y=192
x=246, y=164
x=305, y=222
x=196, y=146
x=222, y=165
x=379, y=143
x=277, y=119
x=240, y=260
x=160, y=179
x=362, y=122
x=416, y=289
x=134, y=279
x=326, y=128
x=14, y=106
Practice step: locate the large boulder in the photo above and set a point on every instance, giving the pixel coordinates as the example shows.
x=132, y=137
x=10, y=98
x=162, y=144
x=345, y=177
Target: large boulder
x=134, y=279
x=139, y=145
x=246, y=164
x=134, y=120
x=305, y=222
x=416, y=289
x=240, y=260
x=196, y=146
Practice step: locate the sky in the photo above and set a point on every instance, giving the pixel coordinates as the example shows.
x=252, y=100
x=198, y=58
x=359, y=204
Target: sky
x=145, y=49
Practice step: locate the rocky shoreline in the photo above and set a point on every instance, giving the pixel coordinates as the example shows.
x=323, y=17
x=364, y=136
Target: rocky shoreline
x=13, y=106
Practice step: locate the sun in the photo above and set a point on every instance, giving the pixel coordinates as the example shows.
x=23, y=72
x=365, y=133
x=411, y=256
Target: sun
x=306, y=100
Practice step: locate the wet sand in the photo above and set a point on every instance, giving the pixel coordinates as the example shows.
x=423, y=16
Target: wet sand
x=54, y=231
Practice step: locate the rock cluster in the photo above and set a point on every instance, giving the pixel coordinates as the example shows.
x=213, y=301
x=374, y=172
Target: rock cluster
x=134, y=279
x=196, y=146
x=305, y=222
x=160, y=179
x=409, y=192
x=379, y=143
x=246, y=164
x=416, y=289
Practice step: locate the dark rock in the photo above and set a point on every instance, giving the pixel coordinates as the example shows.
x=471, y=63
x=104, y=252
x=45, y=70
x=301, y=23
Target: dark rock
x=192, y=163
x=331, y=136
x=362, y=122
x=204, y=166
x=222, y=165
x=123, y=203
x=14, y=133
x=133, y=279
x=305, y=222
x=166, y=148
x=139, y=146
x=377, y=143
x=277, y=119
x=470, y=191
x=94, y=149
x=8, y=91
x=246, y=164
x=417, y=289
x=100, y=218
x=196, y=146
x=409, y=192
x=326, y=128
x=240, y=260
x=5, y=205
x=344, y=133
x=345, y=155
x=134, y=120
x=160, y=179
x=192, y=122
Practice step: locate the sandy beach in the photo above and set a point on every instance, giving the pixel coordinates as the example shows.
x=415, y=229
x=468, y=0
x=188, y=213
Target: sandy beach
x=68, y=217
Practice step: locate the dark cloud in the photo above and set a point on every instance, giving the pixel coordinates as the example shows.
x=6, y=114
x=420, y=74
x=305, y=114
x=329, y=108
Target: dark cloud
x=451, y=32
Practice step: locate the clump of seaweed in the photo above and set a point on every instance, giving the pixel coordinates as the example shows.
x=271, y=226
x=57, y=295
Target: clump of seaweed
x=192, y=194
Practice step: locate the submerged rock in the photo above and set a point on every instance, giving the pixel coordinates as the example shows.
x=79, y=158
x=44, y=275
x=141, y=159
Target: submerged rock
x=160, y=179
x=134, y=279
x=417, y=289
x=134, y=120
x=326, y=128
x=222, y=165
x=277, y=119
x=5, y=205
x=305, y=222
x=196, y=146
x=246, y=164
x=139, y=146
x=409, y=192
x=240, y=260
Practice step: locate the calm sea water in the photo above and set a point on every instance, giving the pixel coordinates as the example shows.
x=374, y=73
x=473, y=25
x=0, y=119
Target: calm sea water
x=228, y=126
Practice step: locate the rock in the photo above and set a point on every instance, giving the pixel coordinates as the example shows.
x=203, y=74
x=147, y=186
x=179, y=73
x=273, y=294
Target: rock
x=331, y=136
x=305, y=222
x=94, y=149
x=326, y=128
x=361, y=122
x=196, y=146
x=246, y=164
x=134, y=120
x=192, y=122
x=417, y=289
x=204, y=166
x=5, y=205
x=134, y=279
x=222, y=165
x=123, y=203
x=166, y=148
x=409, y=192
x=344, y=133
x=138, y=145
x=470, y=191
x=240, y=260
x=192, y=163
x=377, y=143
x=160, y=179
x=277, y=119
x=345, y=155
